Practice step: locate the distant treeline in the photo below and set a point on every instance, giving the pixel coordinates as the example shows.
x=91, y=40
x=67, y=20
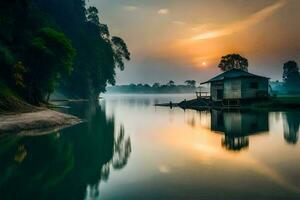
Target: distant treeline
x=170, y=87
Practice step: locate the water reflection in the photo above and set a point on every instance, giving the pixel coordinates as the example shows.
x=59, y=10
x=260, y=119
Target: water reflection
x=177, y=155
x=145, y=100
x=291, y=127
x=237, y=126
x=64, y=164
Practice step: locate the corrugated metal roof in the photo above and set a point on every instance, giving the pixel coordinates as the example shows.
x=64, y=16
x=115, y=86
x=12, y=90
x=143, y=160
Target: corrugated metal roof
x=233, y=73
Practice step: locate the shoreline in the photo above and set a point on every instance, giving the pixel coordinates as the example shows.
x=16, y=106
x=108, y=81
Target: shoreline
x=37, y=122
x=271, y=104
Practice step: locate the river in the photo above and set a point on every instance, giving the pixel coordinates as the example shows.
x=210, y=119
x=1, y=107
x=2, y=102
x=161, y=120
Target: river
x=128, y=149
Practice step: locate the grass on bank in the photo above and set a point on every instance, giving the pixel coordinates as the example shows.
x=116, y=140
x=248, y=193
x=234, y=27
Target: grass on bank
x=282, y=102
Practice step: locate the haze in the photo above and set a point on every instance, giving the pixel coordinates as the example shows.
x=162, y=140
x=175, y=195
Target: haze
x=179, y=40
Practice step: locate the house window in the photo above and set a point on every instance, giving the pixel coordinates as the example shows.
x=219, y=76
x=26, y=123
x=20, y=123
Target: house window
x=254, y=85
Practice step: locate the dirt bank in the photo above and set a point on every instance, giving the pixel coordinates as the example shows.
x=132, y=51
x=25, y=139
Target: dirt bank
x=37, y=122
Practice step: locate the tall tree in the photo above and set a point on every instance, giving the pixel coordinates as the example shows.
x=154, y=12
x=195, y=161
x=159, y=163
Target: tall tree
x=190, y=83
x=98, y=54
x=55, y=58
x=38, y=41
x=33, y=52
x=233, y=61
x=291, y=75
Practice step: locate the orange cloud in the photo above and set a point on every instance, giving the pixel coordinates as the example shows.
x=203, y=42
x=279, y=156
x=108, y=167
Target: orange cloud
x=241, y=25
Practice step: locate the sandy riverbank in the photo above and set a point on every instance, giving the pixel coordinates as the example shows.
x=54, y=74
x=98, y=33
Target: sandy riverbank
x=36, y=123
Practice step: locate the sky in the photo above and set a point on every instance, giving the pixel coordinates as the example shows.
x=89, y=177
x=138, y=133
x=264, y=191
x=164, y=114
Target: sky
x=185, y=39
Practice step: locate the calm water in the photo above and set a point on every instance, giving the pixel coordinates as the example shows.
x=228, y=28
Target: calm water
x=130, y=150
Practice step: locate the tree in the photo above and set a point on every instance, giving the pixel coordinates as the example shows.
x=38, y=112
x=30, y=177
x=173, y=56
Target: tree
x=92, y=16
x=34, y=53
x=291, y=75
x=38, y=41
x=156, y=85
x=98, y=54
x=55, y=54
x=190, y=83
x=171, y=83
x=233, y=61
x=146, y=86
x=120, y=52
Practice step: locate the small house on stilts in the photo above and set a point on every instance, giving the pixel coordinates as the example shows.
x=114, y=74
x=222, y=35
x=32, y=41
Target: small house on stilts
x=236, y=86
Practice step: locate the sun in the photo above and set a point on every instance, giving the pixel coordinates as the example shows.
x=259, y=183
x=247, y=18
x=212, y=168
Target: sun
x=204, y=64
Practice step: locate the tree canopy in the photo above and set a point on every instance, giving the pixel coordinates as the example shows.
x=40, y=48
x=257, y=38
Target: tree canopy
x=190, y=83
x=171, y=83
x=291, y=75
x=233, y=61
x=52, y=44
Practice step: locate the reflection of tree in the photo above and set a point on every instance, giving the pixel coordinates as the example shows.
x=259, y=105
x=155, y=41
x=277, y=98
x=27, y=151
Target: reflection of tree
x=34, y=160
x=291, y=126
x=122, y=150
x=51, y=167
x=105, y=171
x=21, y=154
x=235, y=143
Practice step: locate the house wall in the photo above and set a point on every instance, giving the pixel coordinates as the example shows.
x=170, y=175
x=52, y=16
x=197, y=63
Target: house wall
x=240, y=88
x=232, y=89
x=214, y=86
x=260, y=91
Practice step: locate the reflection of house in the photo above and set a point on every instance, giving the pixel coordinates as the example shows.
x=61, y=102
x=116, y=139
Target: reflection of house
x=237, y=85
x=235, y=143
x=236, y=126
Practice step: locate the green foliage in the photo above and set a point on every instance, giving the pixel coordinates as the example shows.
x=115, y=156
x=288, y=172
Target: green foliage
x=291, y=76
x=55, y=58
x=5, y=91
x=233, y=61
x=51, y=44
x=92, y=15
x=6, y=56
x=190, y=83
x=171, y=83
x=120, y=51
x=57, y=47
x=7, y=60
x=98, y=54
x=18, y=73
x=156, y=85
x=279, y=103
